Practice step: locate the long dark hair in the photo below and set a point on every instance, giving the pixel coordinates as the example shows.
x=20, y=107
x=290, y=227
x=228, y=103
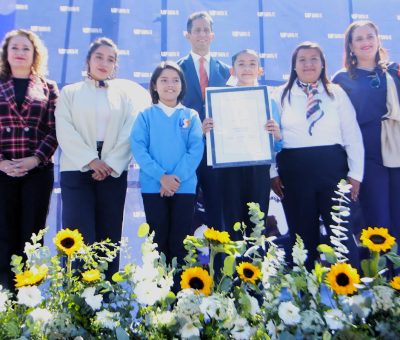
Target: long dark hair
x=293, y=74
x=156, y=74
x=102, y=41
x=350, y=61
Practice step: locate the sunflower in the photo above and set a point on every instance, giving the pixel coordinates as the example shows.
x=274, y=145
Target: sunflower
x=395, y=283
x=214, y=235
x=377, y=239
x=342, y=278
x=91, y=275
x=68, y=241
x=31, y=277
x=248, y=272
x=198, y=279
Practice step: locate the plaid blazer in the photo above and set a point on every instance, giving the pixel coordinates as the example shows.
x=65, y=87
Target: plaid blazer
x=29, y=131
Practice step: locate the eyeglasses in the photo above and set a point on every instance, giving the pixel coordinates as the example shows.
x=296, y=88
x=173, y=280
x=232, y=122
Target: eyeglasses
x=375, y=81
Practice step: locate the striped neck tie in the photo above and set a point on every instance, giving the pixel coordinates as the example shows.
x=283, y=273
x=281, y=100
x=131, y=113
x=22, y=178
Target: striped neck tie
x=313, y=110
x=203, y=76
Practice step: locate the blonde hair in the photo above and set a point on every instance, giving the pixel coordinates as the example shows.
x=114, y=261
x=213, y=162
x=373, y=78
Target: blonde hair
x=40, y=55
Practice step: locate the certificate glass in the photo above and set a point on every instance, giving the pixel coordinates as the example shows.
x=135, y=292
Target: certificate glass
x=238, y=137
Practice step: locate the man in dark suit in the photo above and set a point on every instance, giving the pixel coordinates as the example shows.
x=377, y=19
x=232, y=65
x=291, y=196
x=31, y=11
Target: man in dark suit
x=201, y=70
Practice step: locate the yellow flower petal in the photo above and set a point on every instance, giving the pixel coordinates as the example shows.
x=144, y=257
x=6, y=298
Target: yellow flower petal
x=219, y=236
x=395, y=283
x=377, y=239
x=68, y=241
x=31, y=277
x=198, y=279
x=342, y=278
x=91, y=275
x=248, y=272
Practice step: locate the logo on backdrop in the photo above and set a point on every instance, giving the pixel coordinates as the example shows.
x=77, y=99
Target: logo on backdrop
x=118, y=10
x=169, y=11
x=140, y=31
x=289, y=35
x=69, y=8
x=90, y=30
x=220, y=13
x=313, y=15
x=266, y=14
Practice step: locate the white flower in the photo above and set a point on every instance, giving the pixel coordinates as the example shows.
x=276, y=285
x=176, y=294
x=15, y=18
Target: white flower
x=41, y=315
x=145, y=292
x=149, y=258
x=383, y=298
x=166, y=318
x=311, y=321
x=289, y=313
x=335, y=319
x=199, y=233
x=273, y=260
x=149, y=292
x=107, y=319
x=218, y=307
x=241, y=329
x=312, y=286
x=188, y=304
x=271, y=329
x=189, y=330
x=29, y=296
x=255, y=308
x=94, y=301
x=145, y=273
x=299, y=253
x=358, y=305
x=210, y=307
x=3, y=300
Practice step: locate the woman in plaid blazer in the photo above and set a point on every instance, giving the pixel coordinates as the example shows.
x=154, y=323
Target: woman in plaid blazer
x=27, y=143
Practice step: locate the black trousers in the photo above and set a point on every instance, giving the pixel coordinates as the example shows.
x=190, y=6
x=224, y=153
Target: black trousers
x=209, y=182
x=95, y=208
x=310, y=177
x=241, y=185
x=24, y=204
x=171, y=218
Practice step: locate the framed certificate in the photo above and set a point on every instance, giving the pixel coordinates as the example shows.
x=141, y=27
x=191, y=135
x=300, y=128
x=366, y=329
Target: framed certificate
x=239, y=116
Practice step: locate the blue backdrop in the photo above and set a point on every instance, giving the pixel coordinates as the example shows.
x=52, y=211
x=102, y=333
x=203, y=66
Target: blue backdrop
x=148, y=31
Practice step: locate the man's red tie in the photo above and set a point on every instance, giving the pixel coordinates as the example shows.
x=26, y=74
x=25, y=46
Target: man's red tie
x=203, y=76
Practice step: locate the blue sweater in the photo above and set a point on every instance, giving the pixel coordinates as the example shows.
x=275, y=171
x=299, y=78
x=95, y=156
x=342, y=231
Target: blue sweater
x=167, y=145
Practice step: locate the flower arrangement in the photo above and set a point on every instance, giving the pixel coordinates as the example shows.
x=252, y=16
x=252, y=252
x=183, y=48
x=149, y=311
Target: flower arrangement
x=245, y=290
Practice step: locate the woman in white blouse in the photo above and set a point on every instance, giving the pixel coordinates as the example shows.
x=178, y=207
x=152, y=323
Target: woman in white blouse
x=94, y=118
x=322, y=144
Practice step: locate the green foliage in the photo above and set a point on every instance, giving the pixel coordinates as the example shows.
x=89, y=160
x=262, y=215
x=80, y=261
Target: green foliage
x=329, y=253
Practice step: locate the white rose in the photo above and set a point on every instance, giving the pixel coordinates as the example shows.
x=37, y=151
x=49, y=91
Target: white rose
x=289, y=313
x=29, y=296
x=334, y=318
x=94, y=301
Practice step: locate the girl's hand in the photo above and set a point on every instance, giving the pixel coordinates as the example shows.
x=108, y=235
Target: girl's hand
x=207, y=125
x=277, y=186
x=100, y=168
x=170, y=183
x=165, y=193
x=272, y=127
x=355, y=188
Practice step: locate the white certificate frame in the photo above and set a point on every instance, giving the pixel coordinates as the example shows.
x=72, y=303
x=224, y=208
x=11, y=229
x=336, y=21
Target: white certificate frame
x=238, y=137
